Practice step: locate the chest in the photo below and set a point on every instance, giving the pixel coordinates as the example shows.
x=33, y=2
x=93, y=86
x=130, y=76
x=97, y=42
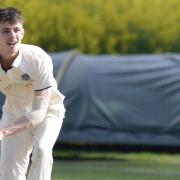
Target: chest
x=15, y=81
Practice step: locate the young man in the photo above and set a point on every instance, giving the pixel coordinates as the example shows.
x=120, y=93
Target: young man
x=33, y=111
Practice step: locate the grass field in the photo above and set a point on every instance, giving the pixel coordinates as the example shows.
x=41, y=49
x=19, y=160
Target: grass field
x=117, y=166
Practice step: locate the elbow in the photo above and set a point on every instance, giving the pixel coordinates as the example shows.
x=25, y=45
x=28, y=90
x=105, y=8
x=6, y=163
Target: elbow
x=36, y=116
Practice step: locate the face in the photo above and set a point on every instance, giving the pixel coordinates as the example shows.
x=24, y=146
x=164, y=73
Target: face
x=10, y=39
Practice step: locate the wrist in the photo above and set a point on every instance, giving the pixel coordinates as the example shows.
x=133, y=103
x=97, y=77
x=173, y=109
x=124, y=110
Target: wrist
x=2, y=134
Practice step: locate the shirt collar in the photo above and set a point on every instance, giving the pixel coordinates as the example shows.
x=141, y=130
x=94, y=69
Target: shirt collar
x=17, y=61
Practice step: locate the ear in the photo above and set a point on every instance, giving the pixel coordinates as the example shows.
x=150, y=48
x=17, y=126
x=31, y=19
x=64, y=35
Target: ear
x=22, y=33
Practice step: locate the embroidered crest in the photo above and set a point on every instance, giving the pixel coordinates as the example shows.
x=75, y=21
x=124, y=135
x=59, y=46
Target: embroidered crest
x=25, y=77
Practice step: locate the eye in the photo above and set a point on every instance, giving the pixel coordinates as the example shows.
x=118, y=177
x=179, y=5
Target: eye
x=16, y=30
x=5, y=31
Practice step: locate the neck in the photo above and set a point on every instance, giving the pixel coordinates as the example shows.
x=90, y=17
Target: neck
x=6, y=63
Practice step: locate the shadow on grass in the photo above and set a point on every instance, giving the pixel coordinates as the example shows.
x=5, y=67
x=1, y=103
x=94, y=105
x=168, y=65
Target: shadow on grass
x=113, y=152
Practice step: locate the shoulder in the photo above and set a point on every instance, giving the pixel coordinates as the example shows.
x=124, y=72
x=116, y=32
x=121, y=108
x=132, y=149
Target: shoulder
x=33, y=50
x=34, y=53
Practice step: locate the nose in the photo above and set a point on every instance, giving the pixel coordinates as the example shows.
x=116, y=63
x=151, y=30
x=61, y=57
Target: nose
x=12, y=33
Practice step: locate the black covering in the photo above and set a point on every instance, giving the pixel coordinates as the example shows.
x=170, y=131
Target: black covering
x=131, y=99
x=126, y=99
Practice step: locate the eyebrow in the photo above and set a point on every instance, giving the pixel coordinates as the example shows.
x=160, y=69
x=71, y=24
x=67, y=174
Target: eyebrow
x=7, y=28
x=4, y=28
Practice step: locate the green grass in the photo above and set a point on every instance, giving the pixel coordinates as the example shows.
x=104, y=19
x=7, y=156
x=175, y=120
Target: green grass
x=116, y=166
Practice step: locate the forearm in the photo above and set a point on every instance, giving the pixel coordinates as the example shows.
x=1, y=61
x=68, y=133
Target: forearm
x=39, y=107
x=21, y=125
x=32, y=118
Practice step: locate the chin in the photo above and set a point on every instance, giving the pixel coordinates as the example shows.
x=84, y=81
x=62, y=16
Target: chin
x=14, y=50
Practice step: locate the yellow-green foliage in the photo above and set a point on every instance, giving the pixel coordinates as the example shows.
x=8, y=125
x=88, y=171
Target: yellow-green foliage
x=102, y=26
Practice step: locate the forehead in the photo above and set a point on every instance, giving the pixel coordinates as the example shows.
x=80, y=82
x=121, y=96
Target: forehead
x=11, y=26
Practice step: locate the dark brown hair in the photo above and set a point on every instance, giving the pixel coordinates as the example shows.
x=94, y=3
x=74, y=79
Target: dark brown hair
x=11, y=15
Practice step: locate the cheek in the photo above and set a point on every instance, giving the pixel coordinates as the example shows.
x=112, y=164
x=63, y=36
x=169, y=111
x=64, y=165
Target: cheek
x=2, y=42
x=2, y=38
x=21, y=36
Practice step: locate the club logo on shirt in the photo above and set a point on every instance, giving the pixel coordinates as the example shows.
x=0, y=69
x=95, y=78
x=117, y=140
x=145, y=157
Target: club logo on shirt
x=25, y=77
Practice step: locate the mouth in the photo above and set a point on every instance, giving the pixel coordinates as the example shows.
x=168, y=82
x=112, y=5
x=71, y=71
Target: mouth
x=12, y=43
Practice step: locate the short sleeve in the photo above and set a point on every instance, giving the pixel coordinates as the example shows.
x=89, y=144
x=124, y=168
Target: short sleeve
x=43, y=75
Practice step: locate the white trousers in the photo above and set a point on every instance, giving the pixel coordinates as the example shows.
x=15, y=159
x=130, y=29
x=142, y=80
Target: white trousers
x=16, y=151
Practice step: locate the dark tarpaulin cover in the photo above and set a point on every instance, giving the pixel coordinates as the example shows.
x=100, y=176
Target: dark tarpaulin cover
x=126, y=99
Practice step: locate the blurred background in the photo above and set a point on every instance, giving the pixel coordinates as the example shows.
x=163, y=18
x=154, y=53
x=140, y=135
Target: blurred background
x=102, y=26
x=118, y=64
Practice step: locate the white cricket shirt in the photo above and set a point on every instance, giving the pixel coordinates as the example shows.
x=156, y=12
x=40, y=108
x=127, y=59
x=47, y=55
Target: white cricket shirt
x=32, y=70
